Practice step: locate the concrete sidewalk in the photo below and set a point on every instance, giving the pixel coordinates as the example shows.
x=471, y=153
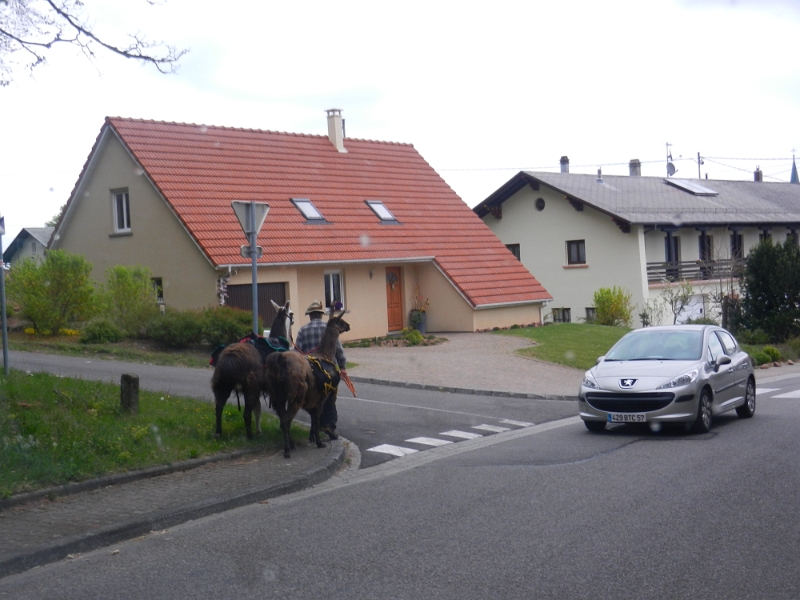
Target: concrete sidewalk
x=52, y=525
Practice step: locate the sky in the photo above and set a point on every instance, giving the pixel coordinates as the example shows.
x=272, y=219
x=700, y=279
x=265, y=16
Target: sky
x=481, y=90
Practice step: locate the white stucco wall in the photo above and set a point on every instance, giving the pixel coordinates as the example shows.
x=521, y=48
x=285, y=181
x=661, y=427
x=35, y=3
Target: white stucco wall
x=612, y=257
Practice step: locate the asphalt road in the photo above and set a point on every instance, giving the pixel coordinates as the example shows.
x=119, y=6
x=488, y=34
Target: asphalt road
x=545, y=511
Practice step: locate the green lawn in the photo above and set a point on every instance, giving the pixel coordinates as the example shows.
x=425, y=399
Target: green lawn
x=56, y=430
x=572, y=344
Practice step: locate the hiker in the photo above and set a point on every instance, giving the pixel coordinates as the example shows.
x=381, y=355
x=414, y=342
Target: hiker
x=307, y=341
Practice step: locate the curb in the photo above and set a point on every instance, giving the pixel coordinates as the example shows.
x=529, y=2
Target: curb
x=118, y=478
x=171, y=517
x=458, y=390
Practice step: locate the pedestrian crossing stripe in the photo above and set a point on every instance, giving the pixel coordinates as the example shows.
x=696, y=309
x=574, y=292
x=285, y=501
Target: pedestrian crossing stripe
x=426, y=441
x=393, y=450
x=760, y=391
x=517, y=423
x=792, y=394
x=464, y=435
x=493, y=428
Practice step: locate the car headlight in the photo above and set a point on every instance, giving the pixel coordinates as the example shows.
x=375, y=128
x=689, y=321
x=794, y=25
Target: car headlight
x=680, y=380
x=590, y=382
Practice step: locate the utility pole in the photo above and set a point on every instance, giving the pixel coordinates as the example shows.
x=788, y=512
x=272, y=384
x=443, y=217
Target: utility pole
x=3, y=296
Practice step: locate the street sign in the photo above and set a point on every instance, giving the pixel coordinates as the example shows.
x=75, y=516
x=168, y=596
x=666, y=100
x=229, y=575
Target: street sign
x=240, y=208
x=245, y=251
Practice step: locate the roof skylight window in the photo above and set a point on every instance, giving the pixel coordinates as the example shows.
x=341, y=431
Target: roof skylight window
x=379, y=209
x=307, y=208
x=692, y=187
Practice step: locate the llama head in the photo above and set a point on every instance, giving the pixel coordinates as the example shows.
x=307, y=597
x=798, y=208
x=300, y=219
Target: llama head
x=337, y=321
x=284, y=312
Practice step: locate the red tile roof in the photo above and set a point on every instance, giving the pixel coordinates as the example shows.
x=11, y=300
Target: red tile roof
x=200, y=169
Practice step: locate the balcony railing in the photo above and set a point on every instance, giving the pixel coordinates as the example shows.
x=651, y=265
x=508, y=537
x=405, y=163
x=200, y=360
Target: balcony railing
x=694, y=270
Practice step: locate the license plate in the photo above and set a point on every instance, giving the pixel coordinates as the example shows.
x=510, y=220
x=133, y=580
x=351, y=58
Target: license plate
x=627, y=417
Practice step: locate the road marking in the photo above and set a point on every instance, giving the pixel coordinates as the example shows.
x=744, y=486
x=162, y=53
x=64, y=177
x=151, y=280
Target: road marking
x=426, y=441
x=393, y=450
x=493, y=428
x=792, y=394
x=518, y=423
x=760, y=391
x=419, y=459
x=464, y=435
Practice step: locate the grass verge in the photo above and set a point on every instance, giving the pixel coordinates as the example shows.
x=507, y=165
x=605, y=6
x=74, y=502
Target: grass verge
x=570, y=344
x=56, y=430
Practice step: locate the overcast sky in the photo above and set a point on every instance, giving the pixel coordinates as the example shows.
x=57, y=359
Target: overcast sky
x=481, y=90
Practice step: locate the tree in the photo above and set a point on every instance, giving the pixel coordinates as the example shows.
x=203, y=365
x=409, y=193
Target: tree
x=54, y=221
x=128, y=299
x=55, y=293
x=771, y=289
x=676, y=297
x=29, y=29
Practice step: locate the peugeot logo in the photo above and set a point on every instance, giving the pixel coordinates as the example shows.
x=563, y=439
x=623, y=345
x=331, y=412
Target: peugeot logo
x=627, y=384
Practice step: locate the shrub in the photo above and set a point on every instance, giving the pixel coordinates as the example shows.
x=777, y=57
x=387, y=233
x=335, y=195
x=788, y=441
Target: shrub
x=773, y=353
x=701, y=321
x=613, y=307
x=411, y=336
x=177, y=328
x=128, y=299
x=771, y=289
x=55, y=293
x=101, y=332
x=225, y=325
x=760, y=358
x=756, y=337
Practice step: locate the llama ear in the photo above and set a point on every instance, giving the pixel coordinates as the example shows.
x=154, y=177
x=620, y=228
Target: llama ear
x=275, y=305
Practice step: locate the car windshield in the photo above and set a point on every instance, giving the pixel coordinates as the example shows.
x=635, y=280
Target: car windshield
x=658, y=345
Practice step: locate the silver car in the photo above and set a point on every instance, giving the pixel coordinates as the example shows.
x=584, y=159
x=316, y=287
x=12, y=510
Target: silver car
x=658, y=376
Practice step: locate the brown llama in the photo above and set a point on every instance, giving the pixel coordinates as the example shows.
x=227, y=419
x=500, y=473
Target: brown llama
x=294, y=381
x=239, y=367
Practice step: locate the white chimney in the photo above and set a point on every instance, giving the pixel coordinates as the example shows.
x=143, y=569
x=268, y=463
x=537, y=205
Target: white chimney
x=564, y=164
x=336, y=128
x=635, y=167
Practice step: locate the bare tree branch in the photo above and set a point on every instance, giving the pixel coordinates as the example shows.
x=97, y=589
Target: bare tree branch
x=33, y=27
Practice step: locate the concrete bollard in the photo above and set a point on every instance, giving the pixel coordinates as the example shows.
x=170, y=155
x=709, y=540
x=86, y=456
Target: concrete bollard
x=129, y=393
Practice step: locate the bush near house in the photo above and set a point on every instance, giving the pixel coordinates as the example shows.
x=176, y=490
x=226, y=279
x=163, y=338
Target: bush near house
x=771, y=290
x=55, y=293
x=613, y=307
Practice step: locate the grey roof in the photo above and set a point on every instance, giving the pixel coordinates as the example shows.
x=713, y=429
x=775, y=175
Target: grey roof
x=40, y=234
x=655, y=201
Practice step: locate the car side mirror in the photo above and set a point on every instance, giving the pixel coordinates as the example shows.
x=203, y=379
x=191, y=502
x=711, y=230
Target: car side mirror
x=599, y=359
x=722, y=361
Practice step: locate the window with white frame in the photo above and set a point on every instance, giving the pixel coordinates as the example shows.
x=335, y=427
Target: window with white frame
x=122, y=211
x=576, y=252
x=334, y=289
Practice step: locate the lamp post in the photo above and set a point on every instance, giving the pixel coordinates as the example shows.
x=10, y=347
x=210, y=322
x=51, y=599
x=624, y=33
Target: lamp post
x=251, y=217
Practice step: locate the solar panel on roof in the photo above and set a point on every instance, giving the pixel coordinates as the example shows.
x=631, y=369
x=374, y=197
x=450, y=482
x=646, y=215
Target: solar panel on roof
x=692, y=187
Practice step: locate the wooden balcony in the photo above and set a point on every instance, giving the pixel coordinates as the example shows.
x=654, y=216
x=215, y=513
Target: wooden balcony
x=695, y=270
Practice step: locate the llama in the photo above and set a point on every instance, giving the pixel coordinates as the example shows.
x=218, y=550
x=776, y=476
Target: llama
x=240, y=367
x=294, y=381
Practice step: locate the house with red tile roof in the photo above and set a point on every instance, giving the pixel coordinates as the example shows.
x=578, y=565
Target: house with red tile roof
x=369, y=224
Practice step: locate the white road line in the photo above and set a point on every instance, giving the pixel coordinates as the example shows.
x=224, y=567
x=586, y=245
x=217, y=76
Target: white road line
x=518, y=423
x=760, y=391
x=792, y=394
x=426, y=441
x=393, y=450
x=464, y=435
x=493, y=428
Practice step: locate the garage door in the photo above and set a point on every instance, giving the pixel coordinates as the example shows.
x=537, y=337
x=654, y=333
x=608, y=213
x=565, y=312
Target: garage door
x=241, y=296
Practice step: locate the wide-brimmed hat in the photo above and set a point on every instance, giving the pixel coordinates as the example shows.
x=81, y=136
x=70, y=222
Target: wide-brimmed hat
x=315, y=307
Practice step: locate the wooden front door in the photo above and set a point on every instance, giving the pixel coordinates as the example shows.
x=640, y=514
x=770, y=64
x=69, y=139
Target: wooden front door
x=394, y=298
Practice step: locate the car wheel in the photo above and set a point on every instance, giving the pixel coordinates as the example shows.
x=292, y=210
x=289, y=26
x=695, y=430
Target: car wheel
x=595, y=425
x=703, y=422
x=748, y=409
